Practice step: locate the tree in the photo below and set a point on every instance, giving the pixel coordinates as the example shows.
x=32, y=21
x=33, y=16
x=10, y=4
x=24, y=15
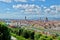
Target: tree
x=4, y=32
x=37, y=36
x=32, y=35
x=26, y=34
x=20, y=31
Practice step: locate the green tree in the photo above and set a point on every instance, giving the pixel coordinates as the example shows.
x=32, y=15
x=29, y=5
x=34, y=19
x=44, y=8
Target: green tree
x=26, y=34
x=20, y=31
x=4, y=32
x=32, y=35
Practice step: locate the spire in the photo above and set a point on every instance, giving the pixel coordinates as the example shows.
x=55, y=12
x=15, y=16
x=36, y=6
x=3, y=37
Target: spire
x=46, y=19
x=25, y=17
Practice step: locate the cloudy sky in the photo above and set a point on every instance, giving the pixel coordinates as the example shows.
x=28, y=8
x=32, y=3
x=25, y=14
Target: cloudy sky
x=18, y=9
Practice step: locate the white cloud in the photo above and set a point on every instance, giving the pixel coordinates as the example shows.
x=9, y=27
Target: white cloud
x=58, y=8
x=39, y=0
x=28, y=8
x=23, y=9
x=47, y=10
x=14, y=0
x=21, y=0
x=42, y=0
x=44, y=7
x=32, y=0
x=55, y=7
x=52, y=10
x=6, y=0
